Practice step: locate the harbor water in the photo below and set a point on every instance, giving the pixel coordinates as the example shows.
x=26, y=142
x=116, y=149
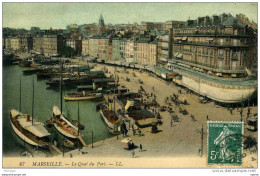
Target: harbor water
x=44, y=99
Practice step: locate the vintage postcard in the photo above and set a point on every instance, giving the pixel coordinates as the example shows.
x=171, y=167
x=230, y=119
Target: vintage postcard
x=129, y=85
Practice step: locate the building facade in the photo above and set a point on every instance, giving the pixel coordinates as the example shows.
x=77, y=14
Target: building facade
x=103, y=48
x=145, y=52
x=116, y=49
x=49, y=45
x=93, y=47
x=75, y=43
x=152, y=26
x=85, y=47
x=164, y=47
x=223, y=49
x=129, y=51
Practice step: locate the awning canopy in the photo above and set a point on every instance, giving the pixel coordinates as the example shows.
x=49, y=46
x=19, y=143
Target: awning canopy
x=37, y=128
x=177, y=38
x=176, y=54
x=179, y=55
x=164, y=60
x=184, y=38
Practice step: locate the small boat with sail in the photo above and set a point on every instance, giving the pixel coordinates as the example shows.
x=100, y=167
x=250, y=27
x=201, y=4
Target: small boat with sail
x=27, y=128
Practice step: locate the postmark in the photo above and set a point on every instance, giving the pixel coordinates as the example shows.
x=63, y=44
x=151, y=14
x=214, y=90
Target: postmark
x=225, y=143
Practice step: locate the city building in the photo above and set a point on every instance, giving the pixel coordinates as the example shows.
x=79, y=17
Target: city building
x=169, y=25
x=103, y=48
x=13, y=43
x=75, y=43
x=116, y=49
x=93, y=46
x=225, y=49
x=213, y=57
x=85, y=47
x=145, y=52
x=26, y=43
x=129, y=51
x=152, y=26
x=164, y=47
x=48, y=45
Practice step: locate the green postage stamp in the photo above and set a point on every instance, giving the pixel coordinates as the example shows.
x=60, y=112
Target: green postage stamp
x=225, y=143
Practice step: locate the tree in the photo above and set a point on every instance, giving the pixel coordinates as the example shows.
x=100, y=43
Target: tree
x=67, y=51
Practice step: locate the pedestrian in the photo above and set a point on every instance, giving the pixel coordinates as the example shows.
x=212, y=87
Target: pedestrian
x=241, y=112
x=141, y=148
x=230, y=111
x=133, y=153
x=207, y=117
x=171, y=122
x=71, y=155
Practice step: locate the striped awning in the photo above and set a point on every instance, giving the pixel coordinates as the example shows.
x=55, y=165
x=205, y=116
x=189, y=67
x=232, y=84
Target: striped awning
x=176, y=54
x=179, y=55
x=184, y=38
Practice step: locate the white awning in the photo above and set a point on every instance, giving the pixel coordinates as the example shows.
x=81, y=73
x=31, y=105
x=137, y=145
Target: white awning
x=179, y=55
x=177, y=38
x=176, y=54
x=184, y=38
x=36, y=128
x=164, y=60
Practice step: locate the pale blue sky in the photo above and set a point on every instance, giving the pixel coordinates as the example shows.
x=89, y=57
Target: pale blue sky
x=58, y=15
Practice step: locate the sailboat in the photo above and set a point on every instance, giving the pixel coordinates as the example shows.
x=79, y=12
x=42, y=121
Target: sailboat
x=61, y=123
x=27, y=128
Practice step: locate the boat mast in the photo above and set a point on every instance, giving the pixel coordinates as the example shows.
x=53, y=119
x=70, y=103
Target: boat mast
x=78, y=125
x=20, y=105
x=32, y=101
x=60, y=86
x=78, y=117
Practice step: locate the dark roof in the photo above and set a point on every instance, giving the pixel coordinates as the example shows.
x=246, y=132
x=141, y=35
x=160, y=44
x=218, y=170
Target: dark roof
x=232, y=21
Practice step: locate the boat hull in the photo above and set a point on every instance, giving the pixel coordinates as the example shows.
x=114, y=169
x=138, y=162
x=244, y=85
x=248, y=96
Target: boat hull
x=23, y=137
x=110, y=127
x=64, y=133
x=82, y=98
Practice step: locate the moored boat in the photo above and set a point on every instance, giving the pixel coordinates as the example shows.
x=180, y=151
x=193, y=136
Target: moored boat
x=63, y=125
x=82, y=96
x=31, y=131
x=110, y=119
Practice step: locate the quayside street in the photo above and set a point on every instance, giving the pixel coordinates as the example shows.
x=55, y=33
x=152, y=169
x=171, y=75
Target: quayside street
x=178, y=140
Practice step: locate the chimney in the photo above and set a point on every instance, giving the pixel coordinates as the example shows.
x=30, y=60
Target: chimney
x=223, y=17
x=206, y=20
x=190, y=22
x=214, y=19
